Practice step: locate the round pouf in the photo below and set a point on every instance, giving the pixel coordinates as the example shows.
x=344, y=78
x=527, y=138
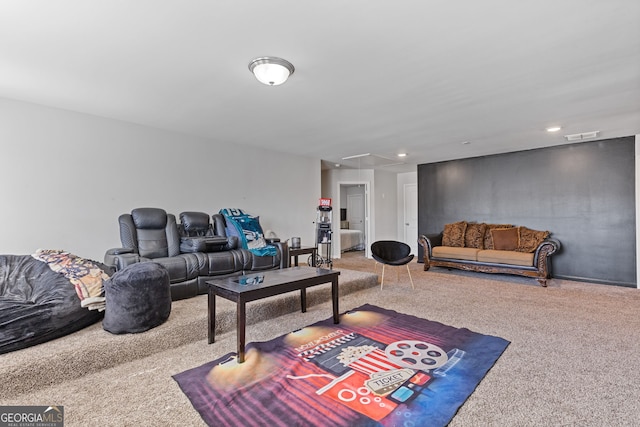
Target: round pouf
x=138, y=298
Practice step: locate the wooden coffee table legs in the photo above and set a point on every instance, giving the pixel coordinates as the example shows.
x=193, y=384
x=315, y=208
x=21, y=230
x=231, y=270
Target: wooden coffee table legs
x=241, y=320
x=211, y=315
x=334, y=299
x=241, y=315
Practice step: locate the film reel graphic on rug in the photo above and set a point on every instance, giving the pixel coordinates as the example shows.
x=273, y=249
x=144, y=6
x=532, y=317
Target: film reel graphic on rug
x=418, y=355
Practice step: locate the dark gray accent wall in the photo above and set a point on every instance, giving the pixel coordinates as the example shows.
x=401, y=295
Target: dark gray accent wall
x=584, y=194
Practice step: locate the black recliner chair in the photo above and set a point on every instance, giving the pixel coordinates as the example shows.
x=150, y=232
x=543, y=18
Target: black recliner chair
x=197, y=234
x=151, y=234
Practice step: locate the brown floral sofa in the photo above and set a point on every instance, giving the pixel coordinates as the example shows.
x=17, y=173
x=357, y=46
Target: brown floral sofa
x=491, y=248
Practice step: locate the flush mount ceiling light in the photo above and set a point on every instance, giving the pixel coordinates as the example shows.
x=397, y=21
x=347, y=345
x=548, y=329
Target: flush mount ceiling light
x=270, y=70
x=553, y=129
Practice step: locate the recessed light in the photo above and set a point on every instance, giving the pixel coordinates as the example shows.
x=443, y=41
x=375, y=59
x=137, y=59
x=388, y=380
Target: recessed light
x=553, y=129
x=466, y=142
x=402, y=154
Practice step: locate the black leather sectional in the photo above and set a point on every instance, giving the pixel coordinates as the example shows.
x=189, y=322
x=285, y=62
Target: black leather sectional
x=193, y=251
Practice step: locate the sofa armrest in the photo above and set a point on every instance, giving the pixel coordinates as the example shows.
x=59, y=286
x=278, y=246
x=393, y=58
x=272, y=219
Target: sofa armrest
x=120, y=251
x=232, y=243
x=119, y=258
x=547, y=248
x=111, y=254
x=283, y=248
x=428, y=241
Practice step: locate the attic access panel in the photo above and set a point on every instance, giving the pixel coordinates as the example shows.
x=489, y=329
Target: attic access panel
x=371, y=160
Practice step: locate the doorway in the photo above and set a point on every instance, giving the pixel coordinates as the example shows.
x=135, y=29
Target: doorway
x=354, y=225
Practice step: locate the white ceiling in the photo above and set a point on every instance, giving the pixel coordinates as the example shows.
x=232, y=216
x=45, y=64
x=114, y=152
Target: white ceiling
x=371, y=76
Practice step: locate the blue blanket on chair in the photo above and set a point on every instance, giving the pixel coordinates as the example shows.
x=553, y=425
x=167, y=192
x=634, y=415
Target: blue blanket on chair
x=247, y=228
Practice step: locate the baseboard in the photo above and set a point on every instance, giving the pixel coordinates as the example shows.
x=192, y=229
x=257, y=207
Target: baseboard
x=598, y=281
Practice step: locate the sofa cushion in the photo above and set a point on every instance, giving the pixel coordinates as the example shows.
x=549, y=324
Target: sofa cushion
x=453, y=234
x=506, y=257
x=474, y=235
x=468, y=254
x=505, y=239
x=529, y=240
x=488, y=240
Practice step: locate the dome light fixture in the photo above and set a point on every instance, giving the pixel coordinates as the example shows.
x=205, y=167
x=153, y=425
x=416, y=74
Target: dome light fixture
x=270, y=70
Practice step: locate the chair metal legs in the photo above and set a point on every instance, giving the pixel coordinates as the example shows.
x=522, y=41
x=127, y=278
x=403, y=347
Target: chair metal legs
x=410, y=278
x=375, y=267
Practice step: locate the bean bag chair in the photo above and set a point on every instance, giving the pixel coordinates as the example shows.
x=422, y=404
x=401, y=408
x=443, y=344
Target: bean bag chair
x=38, y=304
x=138, y=298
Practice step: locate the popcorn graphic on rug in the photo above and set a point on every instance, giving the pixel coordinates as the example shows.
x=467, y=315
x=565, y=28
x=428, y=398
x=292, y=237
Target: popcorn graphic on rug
x=384, y=375
x=367, y=359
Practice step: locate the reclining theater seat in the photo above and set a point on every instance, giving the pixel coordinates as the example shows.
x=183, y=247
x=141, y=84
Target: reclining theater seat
x=217, y=254
x=197, y=234
x=150, y=234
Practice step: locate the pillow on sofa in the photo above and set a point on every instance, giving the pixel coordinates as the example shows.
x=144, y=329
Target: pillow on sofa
x=488, y=240
x=474, y=235
x=505, y=239
x=453, y=234
x=529, y=240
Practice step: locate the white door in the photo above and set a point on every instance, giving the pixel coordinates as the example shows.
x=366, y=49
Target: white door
x=355, y=211
x=411, y=216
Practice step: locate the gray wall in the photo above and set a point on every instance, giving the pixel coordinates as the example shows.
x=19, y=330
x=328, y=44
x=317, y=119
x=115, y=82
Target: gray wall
x=584, y=194
x=66, y=177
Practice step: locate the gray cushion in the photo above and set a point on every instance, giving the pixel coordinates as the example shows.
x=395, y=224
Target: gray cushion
x=138, y=298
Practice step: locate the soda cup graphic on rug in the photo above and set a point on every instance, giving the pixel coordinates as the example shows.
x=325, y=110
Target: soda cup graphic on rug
x=349, y=389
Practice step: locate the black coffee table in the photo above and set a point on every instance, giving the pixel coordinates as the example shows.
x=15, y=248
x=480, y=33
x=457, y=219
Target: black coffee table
x=258, y=285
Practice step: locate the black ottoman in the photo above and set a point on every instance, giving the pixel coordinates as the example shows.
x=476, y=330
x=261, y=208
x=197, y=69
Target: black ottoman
x=138, y=298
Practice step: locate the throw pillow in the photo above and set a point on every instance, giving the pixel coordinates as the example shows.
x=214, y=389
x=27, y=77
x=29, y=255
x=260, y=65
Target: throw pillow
x=488, y=241
x=530, y=239
x=453, y=234
x=505, y=239
x=474, y=235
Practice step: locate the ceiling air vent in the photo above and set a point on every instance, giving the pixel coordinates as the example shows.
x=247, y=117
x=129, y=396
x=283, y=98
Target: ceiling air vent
x=582, y=136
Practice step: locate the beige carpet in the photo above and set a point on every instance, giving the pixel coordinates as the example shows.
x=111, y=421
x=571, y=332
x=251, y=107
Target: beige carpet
x=573, y=358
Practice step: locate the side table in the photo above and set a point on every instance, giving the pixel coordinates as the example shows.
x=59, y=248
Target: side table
x=295, y=252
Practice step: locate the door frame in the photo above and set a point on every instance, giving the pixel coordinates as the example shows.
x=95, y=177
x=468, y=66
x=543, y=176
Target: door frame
x=411, y=242
x=337, y=252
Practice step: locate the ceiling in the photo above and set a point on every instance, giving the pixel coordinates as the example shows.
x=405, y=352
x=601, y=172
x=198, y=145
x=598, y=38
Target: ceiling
x=372, y=76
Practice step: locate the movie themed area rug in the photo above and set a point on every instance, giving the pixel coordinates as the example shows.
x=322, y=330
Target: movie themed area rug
x=376, y=368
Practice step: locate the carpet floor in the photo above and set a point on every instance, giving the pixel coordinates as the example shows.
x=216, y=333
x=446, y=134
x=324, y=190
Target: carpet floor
x=573, y=357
